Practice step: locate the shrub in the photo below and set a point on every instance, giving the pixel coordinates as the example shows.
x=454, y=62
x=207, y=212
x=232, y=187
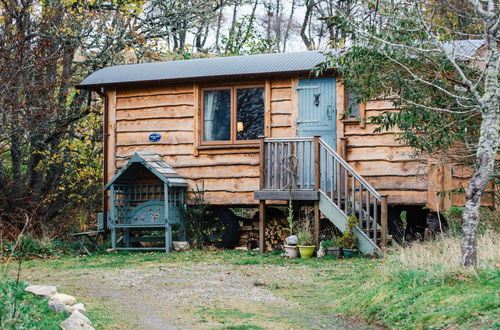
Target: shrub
x=348, y=240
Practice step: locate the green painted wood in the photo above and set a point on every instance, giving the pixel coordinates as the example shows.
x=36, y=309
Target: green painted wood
x=339, y=219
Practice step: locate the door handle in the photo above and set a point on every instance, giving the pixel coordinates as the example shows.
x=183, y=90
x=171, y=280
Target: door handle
x=329, y=111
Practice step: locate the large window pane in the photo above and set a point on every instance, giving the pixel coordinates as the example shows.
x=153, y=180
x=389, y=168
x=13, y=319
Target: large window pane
x=217, y=115
x=250, y=113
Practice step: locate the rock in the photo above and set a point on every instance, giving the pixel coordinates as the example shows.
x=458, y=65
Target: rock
x=77, y=307
x=111, y=251
x=180, y=246
x=57, y=306
x=42, y=290
x=64, y=299
x=292, y=240
x=75, y=324
x=76, y=315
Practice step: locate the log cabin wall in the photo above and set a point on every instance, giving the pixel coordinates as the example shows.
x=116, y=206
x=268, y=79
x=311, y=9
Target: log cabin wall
x=392, y=168
x=229, y=175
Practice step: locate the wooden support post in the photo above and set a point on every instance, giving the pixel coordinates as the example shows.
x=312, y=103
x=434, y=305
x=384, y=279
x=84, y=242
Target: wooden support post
x=342, y=149
x=383, y=220
x=262, y=225
x=317, y=223
x=316, y=163
x=262, y=163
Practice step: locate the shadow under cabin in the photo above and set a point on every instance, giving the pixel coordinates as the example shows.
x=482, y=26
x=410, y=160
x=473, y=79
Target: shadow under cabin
x=145, y=197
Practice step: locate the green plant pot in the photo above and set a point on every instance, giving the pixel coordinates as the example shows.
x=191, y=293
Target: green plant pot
x=306, y=251
x=349, y=253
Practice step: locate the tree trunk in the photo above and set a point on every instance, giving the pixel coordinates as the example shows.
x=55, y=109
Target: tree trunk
x=485, y=160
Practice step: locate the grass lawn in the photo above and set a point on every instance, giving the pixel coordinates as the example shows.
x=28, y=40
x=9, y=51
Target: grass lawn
x=306, y=293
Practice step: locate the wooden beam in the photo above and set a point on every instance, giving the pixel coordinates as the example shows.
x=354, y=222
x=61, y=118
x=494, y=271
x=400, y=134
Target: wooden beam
x=383, y=220
x=342, y=150
x=262, y=226
x=285, y=195
x=316, y=163
x=317, y=223
x=197, y=118
x=362, y=115
x=267, y=108
x=262, y=163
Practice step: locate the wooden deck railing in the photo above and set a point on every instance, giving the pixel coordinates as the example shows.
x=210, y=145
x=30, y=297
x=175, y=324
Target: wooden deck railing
x=309, y=163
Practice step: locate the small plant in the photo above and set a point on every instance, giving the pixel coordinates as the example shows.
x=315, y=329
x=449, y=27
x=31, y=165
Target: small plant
x=329, y=243
x=289, y=218
x=348, y=240
x=305, y=237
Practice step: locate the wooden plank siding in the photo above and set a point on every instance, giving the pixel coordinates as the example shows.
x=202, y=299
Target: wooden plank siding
x=394, y=169
x=230, y=174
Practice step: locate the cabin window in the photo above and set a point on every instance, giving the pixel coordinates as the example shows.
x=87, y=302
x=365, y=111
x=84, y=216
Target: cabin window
x=250, y=113
x=217, y=116
x=233, y=115
x=353, y=106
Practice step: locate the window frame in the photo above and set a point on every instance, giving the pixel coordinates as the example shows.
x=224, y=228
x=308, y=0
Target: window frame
x=233, y=141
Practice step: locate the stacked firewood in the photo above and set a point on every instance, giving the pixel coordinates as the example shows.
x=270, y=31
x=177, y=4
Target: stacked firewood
x=275, y=235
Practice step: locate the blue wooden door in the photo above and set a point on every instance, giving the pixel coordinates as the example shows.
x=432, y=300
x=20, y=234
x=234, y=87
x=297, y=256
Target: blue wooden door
x=317, y=109
x=317, y=116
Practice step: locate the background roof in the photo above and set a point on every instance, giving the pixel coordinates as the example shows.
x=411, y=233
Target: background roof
x=233, y=66
x=205, y=68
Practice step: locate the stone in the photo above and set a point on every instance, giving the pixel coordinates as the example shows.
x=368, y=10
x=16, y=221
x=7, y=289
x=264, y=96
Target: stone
x=76, y=315
x=42, y=290
x=111, y=251
x=180, y=246
x=75, y=324
x=57, y=306
x=77, y=307
x=292, y=240
x=64, y=299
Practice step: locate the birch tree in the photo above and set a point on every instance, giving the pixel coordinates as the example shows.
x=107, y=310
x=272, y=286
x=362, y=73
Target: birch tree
x=448, y=95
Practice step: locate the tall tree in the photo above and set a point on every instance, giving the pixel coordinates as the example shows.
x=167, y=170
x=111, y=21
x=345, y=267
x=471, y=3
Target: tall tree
x=448, y=96
x=46, y=143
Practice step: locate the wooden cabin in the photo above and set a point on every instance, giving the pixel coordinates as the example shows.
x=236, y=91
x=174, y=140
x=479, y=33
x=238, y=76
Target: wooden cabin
x=254, y=129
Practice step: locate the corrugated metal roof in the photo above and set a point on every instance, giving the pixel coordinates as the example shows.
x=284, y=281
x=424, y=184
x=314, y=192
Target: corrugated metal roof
x=463, y=49
x=197, y=69
x=213, y=67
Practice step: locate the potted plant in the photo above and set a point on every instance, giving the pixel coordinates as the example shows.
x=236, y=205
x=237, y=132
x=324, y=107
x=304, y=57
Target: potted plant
x=291, y=241
x=331, y=247
x=348, y=241
x=305, y=244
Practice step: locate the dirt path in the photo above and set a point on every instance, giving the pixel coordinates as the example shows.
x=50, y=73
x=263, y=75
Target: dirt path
x=196, y=295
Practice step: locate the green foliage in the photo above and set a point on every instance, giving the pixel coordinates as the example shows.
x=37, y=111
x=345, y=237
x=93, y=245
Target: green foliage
x=437, y=111
x=305, y=237
x=348, y=240
x=195, y=218
x=245, y=39
x=21, y=310
x=289, y=218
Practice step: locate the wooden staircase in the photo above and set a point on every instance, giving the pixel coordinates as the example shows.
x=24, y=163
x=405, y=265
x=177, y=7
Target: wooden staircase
x=307, y=168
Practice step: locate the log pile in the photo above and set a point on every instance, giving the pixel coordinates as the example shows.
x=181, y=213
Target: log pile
x=275, y=235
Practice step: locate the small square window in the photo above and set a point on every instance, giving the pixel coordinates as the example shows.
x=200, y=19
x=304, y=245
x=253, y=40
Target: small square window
x=353, y=106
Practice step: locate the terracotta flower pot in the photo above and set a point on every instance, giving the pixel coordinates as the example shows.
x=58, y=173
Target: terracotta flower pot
x=291, y=251
x=306, y=251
